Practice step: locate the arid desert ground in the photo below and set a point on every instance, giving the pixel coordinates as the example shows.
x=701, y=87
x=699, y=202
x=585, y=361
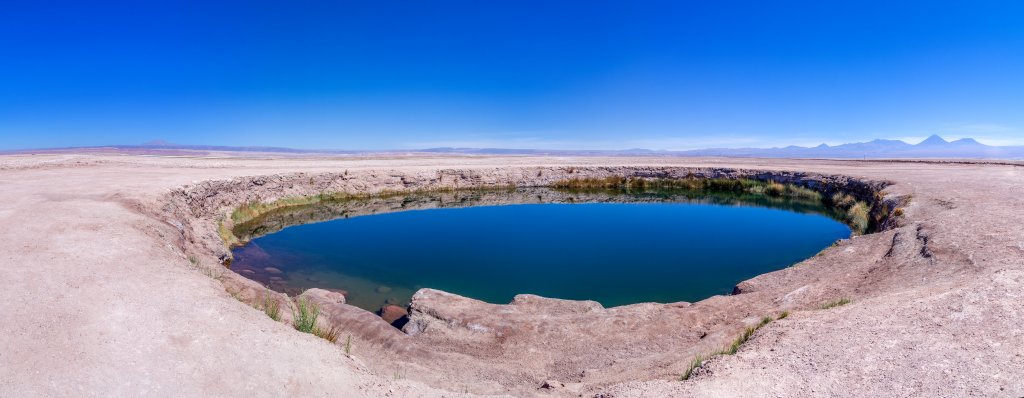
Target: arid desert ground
x=99, y=297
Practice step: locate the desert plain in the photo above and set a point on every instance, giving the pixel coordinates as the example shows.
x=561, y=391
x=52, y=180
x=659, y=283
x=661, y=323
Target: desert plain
x=113, y=284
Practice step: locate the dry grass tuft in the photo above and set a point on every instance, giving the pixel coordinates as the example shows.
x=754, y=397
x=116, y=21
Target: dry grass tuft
x=694, y=364
x=836, y=303
x=305, y=321
x=271, y=307
x=774, y=189
x=732, y=348
x=843, y=200
x=330, y=334
x=857, y=217
x=855, y=213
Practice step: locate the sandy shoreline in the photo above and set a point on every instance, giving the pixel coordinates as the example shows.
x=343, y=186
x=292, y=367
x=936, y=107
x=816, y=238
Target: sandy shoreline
x=100, y=298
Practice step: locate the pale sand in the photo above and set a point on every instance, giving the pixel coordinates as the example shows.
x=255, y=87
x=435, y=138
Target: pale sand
x=98, y=297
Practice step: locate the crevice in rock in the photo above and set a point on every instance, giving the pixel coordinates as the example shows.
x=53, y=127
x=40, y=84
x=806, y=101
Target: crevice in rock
x=922, y=236
x=897, y=238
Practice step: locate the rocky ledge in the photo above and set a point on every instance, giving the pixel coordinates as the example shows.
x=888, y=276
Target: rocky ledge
x=578, y=346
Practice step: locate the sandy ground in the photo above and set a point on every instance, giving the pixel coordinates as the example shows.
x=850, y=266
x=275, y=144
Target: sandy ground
x=98, y=300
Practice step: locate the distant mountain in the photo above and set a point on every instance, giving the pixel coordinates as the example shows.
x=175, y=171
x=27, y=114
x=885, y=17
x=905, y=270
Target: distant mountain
x=553, y=152
x=933, y=142
x=931, y=147
x=160, y=143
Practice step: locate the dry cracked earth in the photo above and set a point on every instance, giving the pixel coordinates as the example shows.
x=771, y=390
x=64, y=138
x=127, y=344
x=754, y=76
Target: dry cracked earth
x=112, y=286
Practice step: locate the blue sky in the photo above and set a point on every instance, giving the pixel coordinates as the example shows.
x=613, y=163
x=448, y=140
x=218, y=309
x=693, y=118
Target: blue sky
x=514, y=74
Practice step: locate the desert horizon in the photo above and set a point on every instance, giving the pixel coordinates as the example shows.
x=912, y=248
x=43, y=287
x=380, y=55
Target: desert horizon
x=511, y=199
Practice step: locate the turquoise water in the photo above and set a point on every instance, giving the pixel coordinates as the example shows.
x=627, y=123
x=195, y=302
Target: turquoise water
x=666, y=250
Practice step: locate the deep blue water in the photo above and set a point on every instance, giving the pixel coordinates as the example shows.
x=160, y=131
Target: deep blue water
x=613, y=253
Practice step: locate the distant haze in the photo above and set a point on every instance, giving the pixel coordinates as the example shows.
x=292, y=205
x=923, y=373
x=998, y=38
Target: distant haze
x=932, y=147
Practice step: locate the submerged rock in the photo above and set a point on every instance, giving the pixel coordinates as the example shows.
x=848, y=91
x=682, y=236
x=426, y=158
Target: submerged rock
x=339, y=291
x=395, y=315
x=323, y=296
x=363, y=326
x=445, y=312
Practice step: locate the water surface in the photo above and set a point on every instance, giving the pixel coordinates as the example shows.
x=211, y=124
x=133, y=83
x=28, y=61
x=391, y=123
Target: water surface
x=612, y=248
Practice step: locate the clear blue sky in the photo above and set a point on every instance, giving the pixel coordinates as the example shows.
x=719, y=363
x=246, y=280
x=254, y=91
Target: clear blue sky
x=522, y=74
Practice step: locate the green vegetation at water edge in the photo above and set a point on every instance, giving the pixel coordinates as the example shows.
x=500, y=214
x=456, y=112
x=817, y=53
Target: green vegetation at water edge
x=271, y=307
x=845, y=207
x=855, y=213
x=252, y=211
x=305, y=317
x=634, y=184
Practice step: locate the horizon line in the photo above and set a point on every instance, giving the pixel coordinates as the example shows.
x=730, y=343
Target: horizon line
x=161, y=144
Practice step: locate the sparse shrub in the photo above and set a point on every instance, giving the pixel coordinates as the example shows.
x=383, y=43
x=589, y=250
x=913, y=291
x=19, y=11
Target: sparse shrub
x=248, y=216
x=722, y=184
x=689, y=183
x=857, y=217
x=735, y=346
x=843, y=200
x=593, y=183
x=836, y=303
x=743, y=337
x=731, y=349
x=774, y=189
x=215, y=272
x=226, y=235
x=783, y=315
x=694, y=364
x=794, y=191
x=304, y=319
x=348, y=345
x=271, y=307
x=329, y=334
